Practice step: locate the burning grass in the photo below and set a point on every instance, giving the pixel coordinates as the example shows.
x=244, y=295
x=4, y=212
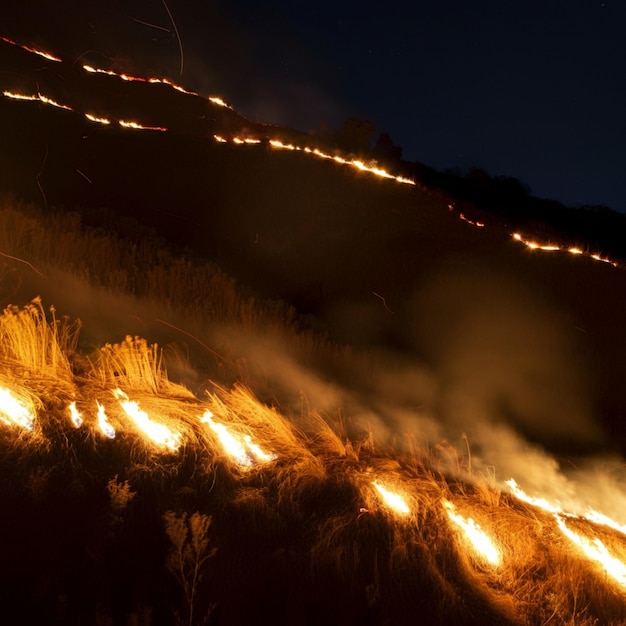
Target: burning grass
x=385, y=530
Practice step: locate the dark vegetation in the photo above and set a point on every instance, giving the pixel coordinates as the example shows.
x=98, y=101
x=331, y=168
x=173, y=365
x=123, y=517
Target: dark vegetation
x=325, y=256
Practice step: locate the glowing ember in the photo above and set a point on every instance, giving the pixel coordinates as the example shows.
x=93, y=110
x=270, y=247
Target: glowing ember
x=159, y=433
x=393, y=500
x=471, y=222
x=75, y=415
x=595, y=550
x=41, y=53
x=14, y=412
x=241, y=448
x=481, y=543
x=103, y=423
x=136, y=126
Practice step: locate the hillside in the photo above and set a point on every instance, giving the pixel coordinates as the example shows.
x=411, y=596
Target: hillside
x=371, y=336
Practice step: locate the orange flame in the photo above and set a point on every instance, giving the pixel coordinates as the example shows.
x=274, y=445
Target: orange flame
x=98, y=120
x=393, y=500
x=595, y=550
x=159, y=433
x=137, y=126
x=15, y=412
x=240, y=447
x=39, y=97
x=75, y=415
x=477, y=537
x=551, y=247
x=41, y=53
x=103, y=422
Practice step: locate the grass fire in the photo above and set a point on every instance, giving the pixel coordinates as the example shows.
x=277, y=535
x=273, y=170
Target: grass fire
x=247, y=375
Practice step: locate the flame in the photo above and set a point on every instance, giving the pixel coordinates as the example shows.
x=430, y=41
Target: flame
x=41, y=53
x=595, y=550
x=15, y=412
x=38, y=97
x=552, y=247
x=153, y=81
x=53, y=103
x=550, y=507
x=219, y=102
x=103, y=422
x=392, y=500
x=75, y=415
x=98, y=120
x=159, y=433
x=240, y=447
x=480, y=541
x=276, y=143
x=18, y=96
x=137, y=126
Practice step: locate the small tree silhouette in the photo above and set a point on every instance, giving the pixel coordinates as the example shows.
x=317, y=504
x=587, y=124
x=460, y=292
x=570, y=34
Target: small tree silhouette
x=189, y=551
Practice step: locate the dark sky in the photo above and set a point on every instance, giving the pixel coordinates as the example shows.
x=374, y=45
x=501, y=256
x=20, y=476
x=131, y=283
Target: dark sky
x=533, y=89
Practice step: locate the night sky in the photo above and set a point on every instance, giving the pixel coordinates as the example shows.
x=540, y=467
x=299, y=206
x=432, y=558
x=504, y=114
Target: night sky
x=535, y=89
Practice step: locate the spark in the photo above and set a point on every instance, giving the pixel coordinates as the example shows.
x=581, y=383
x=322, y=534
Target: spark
x=392, y=499
x=477, y=537
x=382, y=299
x=32, y=267
x=159, y=433
x=85, y=176
x=180, y=44
x=167, y=30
